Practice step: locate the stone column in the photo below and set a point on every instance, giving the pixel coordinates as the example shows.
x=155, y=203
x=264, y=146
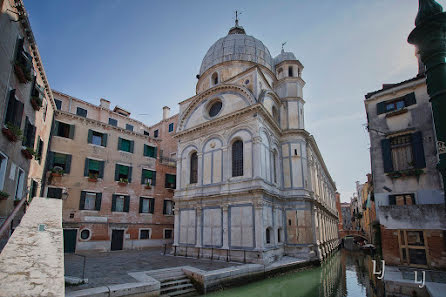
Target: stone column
x=176, y=235
x=259, y=226
x=200, y=171
x=256, y=157
x=225, y=227
x=226, y=164
x=198, y=226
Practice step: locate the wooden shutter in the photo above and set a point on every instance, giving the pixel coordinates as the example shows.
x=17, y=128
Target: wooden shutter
x=392, y=200
x=409, y=99
x=25, y=132
x=130, y=174
x=387, y=155
x=132, y=144
x=153, y=178
x=87, y=161
x=18, y=113
x=72, y=131
x=140, y=204
x=418, y=150
x=97, y=204
x=9, y=117
x=32, y=136
x=90, y=136
x=113, y=202
x=117, y=172
x=50, y=157
x=146, y=153
x=151, y=205
x=142, y=176
x=164, y=206
x=381, y=107
x=67, y=164
x=154, y=152
x=82, y=200
x=119, y=143
x=18, y=48
x=126, y=203
x=56, y=128
x=104, y=139
x=101, y=169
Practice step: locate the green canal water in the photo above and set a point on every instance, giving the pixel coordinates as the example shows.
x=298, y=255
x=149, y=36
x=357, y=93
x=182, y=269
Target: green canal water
x=346, y=274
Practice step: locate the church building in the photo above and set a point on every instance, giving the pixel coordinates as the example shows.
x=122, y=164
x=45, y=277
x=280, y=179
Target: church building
x=251, y=182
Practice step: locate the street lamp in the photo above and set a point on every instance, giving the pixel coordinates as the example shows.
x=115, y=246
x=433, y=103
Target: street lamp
x=429, y=36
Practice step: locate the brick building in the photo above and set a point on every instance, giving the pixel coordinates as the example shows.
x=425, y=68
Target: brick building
x=108, y=164
x=26, y=113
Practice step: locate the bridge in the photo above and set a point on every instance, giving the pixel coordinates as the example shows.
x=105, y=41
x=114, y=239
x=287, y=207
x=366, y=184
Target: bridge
x=354, y=233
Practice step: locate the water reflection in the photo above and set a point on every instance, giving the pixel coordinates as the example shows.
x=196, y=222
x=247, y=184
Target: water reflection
x=345, y=274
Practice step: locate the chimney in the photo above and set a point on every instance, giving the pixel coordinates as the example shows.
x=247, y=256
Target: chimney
x=105, y=103
x=166, y=111
x=421, y=66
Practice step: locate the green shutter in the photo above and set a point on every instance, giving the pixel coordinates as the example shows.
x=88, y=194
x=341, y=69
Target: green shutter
x=132, y=144
x=119, y=143
x=117, y=172
x=72, y=131
x=67, y=164
x=145, y=153
x=418, y=150
x=126, y=203
x=140, y=204
x=151, y=205
x=143, y=176
x=113, y=203
x=164, y=207
x=9, y=116
x=123, y=169
x=50, y=156
x=381, y=107
x=33, y=137
x=90, y=136
x=97, y=204
x=154, y=152
x=25, y=132
x=130, y=174
x=82, y=200
x=56, y=128
x=101, y=169
x=154, y=178
x=409, y=99
x=86, y=166
x=104, y=140
x=18, y=113
x=94, y=165
x=387, y=155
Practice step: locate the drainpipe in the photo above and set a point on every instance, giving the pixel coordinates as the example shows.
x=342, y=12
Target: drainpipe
x=430, y=39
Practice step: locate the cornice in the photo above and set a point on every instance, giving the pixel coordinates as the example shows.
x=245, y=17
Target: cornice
x=106, y=126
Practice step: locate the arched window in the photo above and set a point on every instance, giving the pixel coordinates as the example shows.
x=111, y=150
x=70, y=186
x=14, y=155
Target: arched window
x=275, y=165
x=290, y=71
x=193, y=168
x=214, y=78
x=237, y=158
x=268, y=235
x=275, y=114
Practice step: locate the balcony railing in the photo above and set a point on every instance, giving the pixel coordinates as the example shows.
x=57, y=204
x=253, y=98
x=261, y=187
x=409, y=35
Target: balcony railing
x=168, y=161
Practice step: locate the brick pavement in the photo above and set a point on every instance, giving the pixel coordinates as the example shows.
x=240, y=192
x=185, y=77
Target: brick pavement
x=106, y=268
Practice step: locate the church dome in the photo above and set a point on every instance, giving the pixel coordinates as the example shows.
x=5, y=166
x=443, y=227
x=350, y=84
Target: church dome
x=284, y=56
x=237, y=46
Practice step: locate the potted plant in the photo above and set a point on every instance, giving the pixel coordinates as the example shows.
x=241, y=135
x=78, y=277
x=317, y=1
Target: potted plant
x=3, y=195
x=28, y=152
x=123, y=181
x=57, y=171
x=93, y=177
x=36, y=102
x=22, y=71
x=148, y=185
x=12, y=132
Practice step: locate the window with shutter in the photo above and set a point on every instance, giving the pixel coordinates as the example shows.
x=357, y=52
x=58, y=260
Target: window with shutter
x=149, y=151
x=61, y=160
x=58, y=104
x=81, y=112
x=62, y=129
x=113, y=122
x=171, y=127
x=402, y=155
x=125, y=145
x=148, y=177
x=168, y=207
x=146, y=205
x=170, y=182
x=123, y=173
x=129, y=127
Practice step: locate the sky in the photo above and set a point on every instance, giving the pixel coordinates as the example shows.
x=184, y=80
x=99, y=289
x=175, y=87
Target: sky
x=143, y=55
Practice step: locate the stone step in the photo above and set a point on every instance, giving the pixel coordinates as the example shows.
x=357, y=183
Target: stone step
x=176, y=288
x=186, y=292
x=175, y=282
x=168, y=278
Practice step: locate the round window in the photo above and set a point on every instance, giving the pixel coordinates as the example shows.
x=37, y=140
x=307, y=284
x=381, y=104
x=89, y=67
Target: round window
x=85, y=234
x=215, y=108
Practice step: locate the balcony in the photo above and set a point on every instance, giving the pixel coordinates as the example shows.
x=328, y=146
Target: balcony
x=168, y=161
